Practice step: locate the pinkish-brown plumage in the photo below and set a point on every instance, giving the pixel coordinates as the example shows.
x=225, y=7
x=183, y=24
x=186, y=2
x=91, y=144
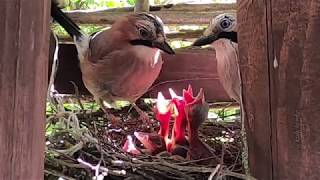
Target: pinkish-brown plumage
x=120, y=63
x=228, y=66
x=221, y=34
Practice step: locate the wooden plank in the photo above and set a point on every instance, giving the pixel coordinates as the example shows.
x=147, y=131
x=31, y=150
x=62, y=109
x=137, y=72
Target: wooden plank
x=296, y=99
x=141, y=6
x=280, y=69
x=173, y=14
x=195, y=67
x=253, y=54
x=182, y=34
x=24, y=37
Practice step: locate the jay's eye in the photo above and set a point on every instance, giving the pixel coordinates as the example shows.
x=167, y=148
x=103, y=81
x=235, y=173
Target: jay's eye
x=144, y=33
x=225, y=23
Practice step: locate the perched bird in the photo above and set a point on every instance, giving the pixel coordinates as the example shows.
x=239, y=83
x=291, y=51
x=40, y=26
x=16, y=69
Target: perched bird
x=120, y=63
x=221, y=34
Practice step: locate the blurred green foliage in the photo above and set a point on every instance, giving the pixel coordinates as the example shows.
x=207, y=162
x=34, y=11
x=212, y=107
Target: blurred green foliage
x=90, y=29
x=96, y=4
x=87, y=28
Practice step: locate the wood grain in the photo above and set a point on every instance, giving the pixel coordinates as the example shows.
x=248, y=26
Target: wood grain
x=24, y=37
x=296, y=101
x=279, y=57
x=172, y=14
x=141, y=6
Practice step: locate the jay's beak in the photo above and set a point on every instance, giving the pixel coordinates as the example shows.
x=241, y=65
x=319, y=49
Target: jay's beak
x=160, y=44
x=204, y=40
x=210, y=38
x=164, y=46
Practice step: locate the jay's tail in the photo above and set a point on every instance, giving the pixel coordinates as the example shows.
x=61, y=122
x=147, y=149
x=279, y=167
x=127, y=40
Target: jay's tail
x=81, y=39
x=59, y=16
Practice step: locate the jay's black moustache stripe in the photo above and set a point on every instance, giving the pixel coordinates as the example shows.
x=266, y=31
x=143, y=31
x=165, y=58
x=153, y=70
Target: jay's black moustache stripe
x=229, y=35
x=141, y=42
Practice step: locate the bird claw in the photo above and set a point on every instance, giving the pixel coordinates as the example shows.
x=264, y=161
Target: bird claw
x=145, y=118
x=142, y=115
x=113, y=119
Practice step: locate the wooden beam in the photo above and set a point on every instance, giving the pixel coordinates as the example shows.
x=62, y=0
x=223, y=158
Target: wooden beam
x=171, y=14
x=295, y=89
x=253, y=51
x=141, y=6
x=184, y=34
x=279, y=62
x=189, y=66
x=24, y=37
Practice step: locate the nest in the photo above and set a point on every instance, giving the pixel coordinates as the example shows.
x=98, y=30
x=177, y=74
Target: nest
x=84, y=145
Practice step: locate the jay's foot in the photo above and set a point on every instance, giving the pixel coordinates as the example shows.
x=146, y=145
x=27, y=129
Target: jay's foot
x=143, y=116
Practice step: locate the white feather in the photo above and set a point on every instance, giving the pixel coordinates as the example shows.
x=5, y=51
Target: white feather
x=82, y=45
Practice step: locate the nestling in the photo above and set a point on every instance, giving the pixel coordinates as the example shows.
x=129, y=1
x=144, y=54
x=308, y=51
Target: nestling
x=120, y=63
x=221, y=34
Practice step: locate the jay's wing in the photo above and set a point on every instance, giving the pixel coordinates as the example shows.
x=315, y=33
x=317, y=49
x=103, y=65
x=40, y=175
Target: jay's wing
x=228, y=67
x=124, y=74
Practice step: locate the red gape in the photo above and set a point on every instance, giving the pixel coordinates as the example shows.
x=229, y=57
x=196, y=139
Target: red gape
x=130, y=147
x=189, y=113
x=196, y=110
x=163, y=115
x=156, y=143
x=179, y=141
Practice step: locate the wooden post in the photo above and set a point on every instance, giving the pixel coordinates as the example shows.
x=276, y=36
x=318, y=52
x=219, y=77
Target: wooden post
x=24, y=40
x=279, y=62
x=141, y=6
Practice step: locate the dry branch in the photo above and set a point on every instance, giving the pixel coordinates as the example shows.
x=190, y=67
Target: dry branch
x=170, y=14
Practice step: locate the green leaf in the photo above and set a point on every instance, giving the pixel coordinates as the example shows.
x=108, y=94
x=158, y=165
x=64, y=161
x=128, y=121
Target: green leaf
x=131, y=2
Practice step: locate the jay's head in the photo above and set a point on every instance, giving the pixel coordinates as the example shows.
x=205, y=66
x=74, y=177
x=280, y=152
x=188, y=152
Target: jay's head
x=147, y=30
x=222, y=26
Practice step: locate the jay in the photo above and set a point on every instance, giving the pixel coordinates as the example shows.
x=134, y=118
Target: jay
x=120, y=63
x=221, y=34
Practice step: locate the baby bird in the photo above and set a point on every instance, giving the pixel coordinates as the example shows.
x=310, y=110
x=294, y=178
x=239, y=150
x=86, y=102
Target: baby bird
x=221, y=34
x=120, y=63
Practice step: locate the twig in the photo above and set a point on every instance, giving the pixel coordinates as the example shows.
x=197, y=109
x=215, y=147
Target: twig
x=237, y=175
x=214, y=172
x=222, y=153
x=235, y=162
x=76, y=91
x=145, y=175
x=57, y=174
x=195, y=161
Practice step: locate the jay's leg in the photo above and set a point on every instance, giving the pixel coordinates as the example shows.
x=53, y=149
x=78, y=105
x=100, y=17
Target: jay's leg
x=144, y=117
x=113, y=119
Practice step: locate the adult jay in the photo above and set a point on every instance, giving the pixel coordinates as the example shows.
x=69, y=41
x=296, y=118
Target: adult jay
x=221, y=34
x=120, y=63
